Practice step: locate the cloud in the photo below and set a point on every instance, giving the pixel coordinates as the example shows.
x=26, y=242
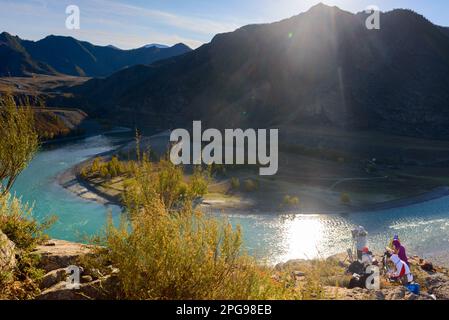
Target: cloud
x=110, y=22
x=130, y=12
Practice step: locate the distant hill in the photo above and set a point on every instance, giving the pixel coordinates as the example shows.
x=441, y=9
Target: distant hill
x=157, y=45
x=320, y=67
x=66, y=55
x=445, y=30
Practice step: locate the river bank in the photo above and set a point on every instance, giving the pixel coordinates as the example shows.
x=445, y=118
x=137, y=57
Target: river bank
x=315, y=195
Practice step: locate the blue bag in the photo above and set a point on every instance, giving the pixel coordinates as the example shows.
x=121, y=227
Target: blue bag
x=413, y=288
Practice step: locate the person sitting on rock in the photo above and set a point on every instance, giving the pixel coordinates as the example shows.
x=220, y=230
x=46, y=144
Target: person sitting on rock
x=402, y=270
x=367, y=257
x=399, y=249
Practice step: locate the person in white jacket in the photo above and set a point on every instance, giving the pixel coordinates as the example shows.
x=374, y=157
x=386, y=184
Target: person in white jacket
x=402, y=270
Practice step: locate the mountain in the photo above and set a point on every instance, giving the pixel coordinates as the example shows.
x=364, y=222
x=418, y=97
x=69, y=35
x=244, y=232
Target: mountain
x=445, y=30
x=15, y=60
x=320, y=67
x=113, y=47
x=66, y=55
x=157, y=45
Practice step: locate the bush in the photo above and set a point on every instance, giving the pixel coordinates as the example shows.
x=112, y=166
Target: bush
x=235, y=183
x=96, y=165
x=172, y=252
x=290, y=201
x=250, y=185
x=166, y=182
x=185, y=256
x=18, y=224
x=345, y=198
x=199, y=183
x=18, y=141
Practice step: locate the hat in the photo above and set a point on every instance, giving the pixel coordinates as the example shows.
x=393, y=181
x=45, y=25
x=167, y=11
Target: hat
x=365, y=250
x=396, y=243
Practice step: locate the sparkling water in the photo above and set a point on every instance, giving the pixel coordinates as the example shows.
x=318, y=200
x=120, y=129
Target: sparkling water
x=423, y=228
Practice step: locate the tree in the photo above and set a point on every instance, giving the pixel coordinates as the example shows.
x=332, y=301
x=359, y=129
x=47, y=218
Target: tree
x=18, y=141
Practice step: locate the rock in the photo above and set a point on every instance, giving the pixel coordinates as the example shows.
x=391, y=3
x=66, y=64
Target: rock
x=427, y=266
x=298, y=274
x=397, y=293
x=57, y=254
x=438, y=285
x=7, y=253
x=53, y=277
x=101, y=289
x=338, y=293
x=86, y=278
x=436, y=280
x=291, y=264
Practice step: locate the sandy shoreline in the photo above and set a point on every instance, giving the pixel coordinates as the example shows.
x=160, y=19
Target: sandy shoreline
x=70, y=181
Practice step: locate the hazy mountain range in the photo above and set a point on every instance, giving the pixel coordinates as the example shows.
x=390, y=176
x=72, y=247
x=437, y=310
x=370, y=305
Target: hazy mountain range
x=319, y=67
x=66, y=55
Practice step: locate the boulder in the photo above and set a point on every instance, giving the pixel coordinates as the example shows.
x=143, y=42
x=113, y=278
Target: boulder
x=52, y=278
x=7, y=253
x=438, y=285
x=57, y=254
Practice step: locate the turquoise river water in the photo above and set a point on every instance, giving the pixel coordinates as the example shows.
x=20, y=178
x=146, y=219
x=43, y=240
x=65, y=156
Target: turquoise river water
x=423, y=228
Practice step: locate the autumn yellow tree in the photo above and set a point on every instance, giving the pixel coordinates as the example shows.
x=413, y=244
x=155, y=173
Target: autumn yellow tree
x=18, y=140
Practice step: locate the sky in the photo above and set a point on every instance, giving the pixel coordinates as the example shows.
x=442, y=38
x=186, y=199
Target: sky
x=133, y=23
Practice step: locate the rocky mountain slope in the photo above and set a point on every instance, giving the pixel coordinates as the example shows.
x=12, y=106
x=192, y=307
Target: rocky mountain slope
x=319, y=67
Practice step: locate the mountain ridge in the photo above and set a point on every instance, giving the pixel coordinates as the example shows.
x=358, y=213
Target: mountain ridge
x=67, y=55
x=322, y=66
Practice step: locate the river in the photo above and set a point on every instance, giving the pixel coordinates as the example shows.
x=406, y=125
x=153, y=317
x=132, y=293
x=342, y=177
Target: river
x=423, y=227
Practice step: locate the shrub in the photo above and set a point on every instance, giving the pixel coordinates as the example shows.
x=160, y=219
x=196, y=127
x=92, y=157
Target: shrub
x=235, y=183
x=290, y=201
x=199, y=182
x=18, y=140
x=185, y=257
x=166, y=250
x=250, y=185
x=84, y=173
x=166, y=181
x=19, y=225
x=345, y=198
x=104, y=172
x=115, y=167
x=96, y=165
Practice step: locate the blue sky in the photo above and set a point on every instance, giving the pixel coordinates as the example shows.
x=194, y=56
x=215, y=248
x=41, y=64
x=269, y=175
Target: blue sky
x=133, y=23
